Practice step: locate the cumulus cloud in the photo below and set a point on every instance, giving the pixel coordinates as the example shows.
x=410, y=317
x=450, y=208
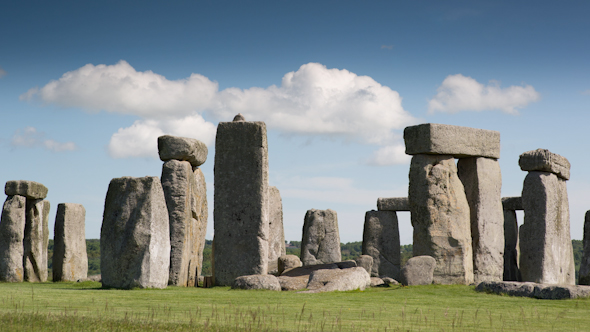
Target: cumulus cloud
x=30, y=137
x=390, y=155
x=460, y=93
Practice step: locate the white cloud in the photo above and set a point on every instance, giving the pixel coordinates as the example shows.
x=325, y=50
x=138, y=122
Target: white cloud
x=30, y=137
x=390, y=155
x=460, y=93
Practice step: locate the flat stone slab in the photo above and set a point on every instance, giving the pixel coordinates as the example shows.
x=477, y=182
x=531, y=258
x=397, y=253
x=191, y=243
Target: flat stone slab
x=29, y=189
x=393, y=204
x=534, y=290
x=512, y=203
x=265, y=281
x=338, y=280
x=183, y=149
x=545, y=161
x=460, y=142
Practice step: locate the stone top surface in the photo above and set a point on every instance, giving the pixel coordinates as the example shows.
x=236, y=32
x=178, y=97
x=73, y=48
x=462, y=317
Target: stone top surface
x=460, y=142
x=512, y=203
x=29, y=189
x=393, y=204
x=183, y=149
x=545, y=161
x=239, y=117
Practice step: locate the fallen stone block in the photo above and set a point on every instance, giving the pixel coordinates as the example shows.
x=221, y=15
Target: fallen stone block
x=418, y=270
x=12, y=233
x=393, y=204
x=70, y=260
x=321, y=240
x=36, y=240
x=293, y=283
x=534, y=290
x=338, y=280
x=288, y=262
x=376, y=282
x=266, y=281
x=545, y=161
x=512, y=203
x=381, y=242
x=29, y=189
x=389, y=281
x=183, y=149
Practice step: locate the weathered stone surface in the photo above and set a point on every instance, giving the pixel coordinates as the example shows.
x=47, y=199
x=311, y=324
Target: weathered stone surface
x=482, y=180
x=135, y=234
x=366, y=262
x=308, y=269
x=276, y=239
x=545, y=161
x=534, y=290
x=12, y=233
x=186, y=200
x=511, y=270
x=441, y=219
x=241, y=201
x=346, y=264
x=338, y=280
x=287, y=262
x=321, y=240
x=381, y=241
x=70, y=260
x=512, y=203
x=29, y=189
x=183, y=149
x=393, y=204
x=266, y=281
x=389, y=281
x=418, y=270
x=546, y=254
x=293, y=283
x=376, y=282
x=36, y=240
x=584, y=274
x=460, y=142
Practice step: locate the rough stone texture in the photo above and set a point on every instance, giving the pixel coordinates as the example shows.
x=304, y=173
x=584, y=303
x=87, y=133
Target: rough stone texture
x=29, y=189
x=512, y=203
x=389, y=281
x=376, y=282
x=366, y=262
x=321, y=240
x=307, y=270
x=546, y=254
x=460, y=142
x=266, y=281
x=70, y=260
x=482, y=180
x=381, y=241
x=12, y=233
x=186, y=200
x=393, y=204
x=511, y=270
x=584, y=273
x=36, y=240
x=534, y=290
x=241, y=218
x=441, y=219
x=545, y=161
x=287, y=262
x=183, y=149
x=276, y=240
x=135, y=234
x=418, y=270
x=338, y=280
x=293, y=283
x=346, y=264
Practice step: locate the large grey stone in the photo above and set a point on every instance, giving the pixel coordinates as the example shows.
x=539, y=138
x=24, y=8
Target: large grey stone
x=511, y=270
x=70, y=260
x=545, y=161
x=36, y=240
x=381, y=241
x=482, y=180
x=584, y=274
x=366, y=262
x=29, y=189
x=287, y=262
x=460, y=142
x=338, y=280
x=441, y=219
x=418, y=270
x=241, y=218
x=135, y=234
x=393, y=204
x=276, y=238
x=12, y=233
x=320, y=243
x=512, y=203
x=182, y=148
x=186, y=199
x=534, y=290
x=293, y=283
x=546, y=254
x=266, y=281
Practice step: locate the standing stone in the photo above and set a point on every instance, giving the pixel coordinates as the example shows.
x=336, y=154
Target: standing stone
x=482, y=180
x=36, y=240
x=381, y=241
x=584, y=278
x=70, y=260
x=276, y=240
x=441, y=219
x=366, y=262
x=321, y=240
x=418, y=270
x=200, y=208
x=511, y=270
x=135, y=234
x=241, y=201
x=287, y=262
x=12, y=232
x=546, y=253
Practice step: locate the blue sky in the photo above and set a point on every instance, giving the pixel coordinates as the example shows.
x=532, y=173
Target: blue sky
x=85, y=88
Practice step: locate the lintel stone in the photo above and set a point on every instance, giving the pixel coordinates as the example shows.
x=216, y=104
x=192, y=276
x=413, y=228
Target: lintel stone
x=29, y=189
x=393, y=204
x=183, y=149
x=512, y=203
x=545, y=161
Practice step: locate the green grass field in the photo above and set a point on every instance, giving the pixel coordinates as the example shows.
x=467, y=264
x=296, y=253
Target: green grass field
x=87, y=307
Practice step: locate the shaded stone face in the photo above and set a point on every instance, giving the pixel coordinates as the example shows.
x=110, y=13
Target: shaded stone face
x=545, y=161
x=70, y=260
x=441, y=218
x=584, y=274
x=135, y=234
x=36, y=240
x=393, y=204
x=381, y=242
x=276, y=239
x=546, y=253
x=366, y=262
x=512, y=203
x=12, y=233
x=29, y=189
x=183, y=149
x=200, y=211
x=511, y=270
x=321, y=239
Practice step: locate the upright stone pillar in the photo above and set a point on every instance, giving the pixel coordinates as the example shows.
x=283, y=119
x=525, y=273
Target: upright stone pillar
x=320, y=243
x=12, y=233
x=511, y=245
x=381, y=241
x=36, y=240
x=241, y=218
x=546, y=253
x=70, y=260
x=584, y=274
x=276, y=240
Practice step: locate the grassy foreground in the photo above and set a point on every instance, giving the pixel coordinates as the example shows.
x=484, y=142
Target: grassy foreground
x=87, y=307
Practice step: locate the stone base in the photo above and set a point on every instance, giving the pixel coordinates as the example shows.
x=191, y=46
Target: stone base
x=534, y=290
